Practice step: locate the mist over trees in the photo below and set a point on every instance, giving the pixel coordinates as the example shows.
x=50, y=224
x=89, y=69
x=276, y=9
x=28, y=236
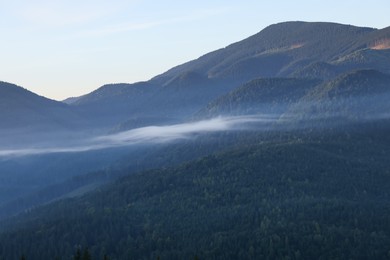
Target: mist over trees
x=274, y=147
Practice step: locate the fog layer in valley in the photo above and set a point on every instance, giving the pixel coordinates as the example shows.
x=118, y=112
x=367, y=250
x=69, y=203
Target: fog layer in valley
x=152, y=134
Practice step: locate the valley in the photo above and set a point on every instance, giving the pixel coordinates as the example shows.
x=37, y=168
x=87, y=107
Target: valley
x=274, y=147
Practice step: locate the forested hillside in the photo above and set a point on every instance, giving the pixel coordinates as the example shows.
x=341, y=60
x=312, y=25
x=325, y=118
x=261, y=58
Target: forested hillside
x=274, y=147
x=269, y=96
x=22, y=110
x=299, y=199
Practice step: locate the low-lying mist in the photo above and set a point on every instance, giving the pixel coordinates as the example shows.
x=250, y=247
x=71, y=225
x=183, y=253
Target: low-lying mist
x=319, y=114
x=152, y=135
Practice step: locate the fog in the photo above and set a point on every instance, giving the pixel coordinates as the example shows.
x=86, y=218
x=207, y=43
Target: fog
x=153, y=135
x=319, y=114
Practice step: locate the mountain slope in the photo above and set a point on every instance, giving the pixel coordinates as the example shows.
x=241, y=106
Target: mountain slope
x=356, y=95
x=280, y=45
x=290, y=49
x=322, y=198
x=365, y=59
x=278, y=194
x=27, y=119
x=22, y=109
x=114, y=103
x=126, y=106
x=260, y=96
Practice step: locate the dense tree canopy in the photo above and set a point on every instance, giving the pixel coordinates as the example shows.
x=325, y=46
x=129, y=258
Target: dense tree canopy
x=300, y=199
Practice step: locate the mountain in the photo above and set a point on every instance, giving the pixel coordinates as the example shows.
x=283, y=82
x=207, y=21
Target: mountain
x=21, y=108
x=281, y=49
x=303, y=186
x=353, y=96
x=268, y=96
x=114, y=103
x=292, y=199
x=377, y=59
x=126, y=106
x=317, y=70
x=26, y=115
x=290, y=49
x=70, y=100
x=303, y=71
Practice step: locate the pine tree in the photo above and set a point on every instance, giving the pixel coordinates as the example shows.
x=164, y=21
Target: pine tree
x=77, y=256
x=86, y=254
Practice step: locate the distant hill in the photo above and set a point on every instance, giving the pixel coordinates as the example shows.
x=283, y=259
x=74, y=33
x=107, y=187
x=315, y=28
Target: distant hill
x=279, y=50
x=260, y=96
x=70, y=100
x=313, y=186
x=317, y=70
x=289, y=49
x=365, y=59
x=22, y=109
x=285, y=50
x=118, y=105
x=356, y=95
x=114, y=103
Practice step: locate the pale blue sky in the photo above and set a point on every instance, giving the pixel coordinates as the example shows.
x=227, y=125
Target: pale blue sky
x=69, y=48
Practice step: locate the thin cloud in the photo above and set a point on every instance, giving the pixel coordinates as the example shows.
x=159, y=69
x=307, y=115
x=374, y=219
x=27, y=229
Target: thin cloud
x=161, y=134
x=152, y=135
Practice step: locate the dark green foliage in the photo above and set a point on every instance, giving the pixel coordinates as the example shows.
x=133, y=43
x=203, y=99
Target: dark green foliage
x=317, y=70
x=77, y=255
x=324, y=197
x=357, y=95
x=355, y=83
x=261, y=96
x=86, y=254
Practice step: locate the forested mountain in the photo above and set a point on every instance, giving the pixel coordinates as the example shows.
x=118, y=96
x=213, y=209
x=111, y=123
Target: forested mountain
x=24, y=110
x=27, y=119
x=54, y=177
x=270, y=96
x=133, y=105
x=280, y=49
x=113, y=103
x=295, y=199
x=274, y=147
x=291, y=49
x=357, y=95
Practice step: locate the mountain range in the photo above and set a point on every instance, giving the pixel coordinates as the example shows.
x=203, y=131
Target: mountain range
x=289, y=125
x=318, y=51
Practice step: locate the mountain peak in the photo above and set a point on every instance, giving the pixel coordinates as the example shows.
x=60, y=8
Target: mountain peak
x=7, y=88
x=278, y=50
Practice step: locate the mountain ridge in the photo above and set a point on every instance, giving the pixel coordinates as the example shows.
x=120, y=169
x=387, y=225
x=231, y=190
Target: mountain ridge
x=284, y=50
x=306, y=175
x=266, y=40
x=355, y=95
x=22, y=108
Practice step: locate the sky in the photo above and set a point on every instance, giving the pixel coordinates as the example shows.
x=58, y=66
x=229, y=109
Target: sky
x=68, y=48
